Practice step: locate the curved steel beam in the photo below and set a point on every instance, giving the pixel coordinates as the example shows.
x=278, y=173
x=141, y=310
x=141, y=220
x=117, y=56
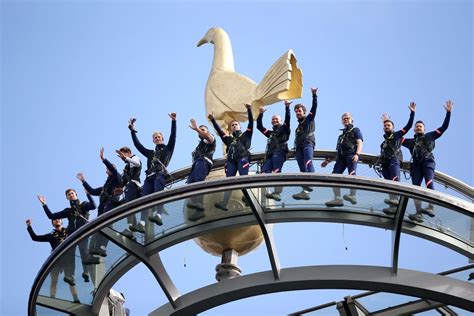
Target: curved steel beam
x=152, y=262
x=408, y=282
x=297, y=179
x=109, y=280
x=367, y=159
x=266, y=232
x=65, y=306
x=397, y=232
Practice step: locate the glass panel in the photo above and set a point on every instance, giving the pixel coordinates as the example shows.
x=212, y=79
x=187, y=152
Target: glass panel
x=81, y=269
x=439, y=218
x=382, y=300
x=44, y=311
x=466, y=275
x=323, y=198
x=183, y=213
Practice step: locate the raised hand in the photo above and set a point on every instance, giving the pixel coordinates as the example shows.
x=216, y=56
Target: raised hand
x=131, y=124
x=412, y=106
x=28, y=222
x=80, y=176
x=193, y=124
x=101, y=153
x=172, y=116
x=120, y=154
x=262, y=109
x=384, y=117
x=210, y=116
x=449, y=106
x=314, y=91
x=41, y=199
x=247, y=106
x=287, y=103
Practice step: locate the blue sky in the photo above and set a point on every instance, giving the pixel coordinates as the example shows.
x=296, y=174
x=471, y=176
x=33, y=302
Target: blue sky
x=73, y=72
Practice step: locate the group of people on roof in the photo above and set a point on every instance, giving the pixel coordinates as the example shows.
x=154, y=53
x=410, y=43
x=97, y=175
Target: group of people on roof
x=126, y=186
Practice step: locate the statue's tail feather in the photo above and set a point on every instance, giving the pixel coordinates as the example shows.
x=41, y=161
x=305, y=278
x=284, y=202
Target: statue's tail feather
x=283, y=81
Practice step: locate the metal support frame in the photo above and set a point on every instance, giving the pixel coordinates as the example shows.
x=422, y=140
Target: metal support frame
x=153, y=262
x=397, y=231
x=407, y=282
x=267, y=234
x=109, y=280
x=65, y=306
x=409, y=308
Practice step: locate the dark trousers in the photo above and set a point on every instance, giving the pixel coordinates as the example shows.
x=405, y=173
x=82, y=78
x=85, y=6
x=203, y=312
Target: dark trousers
x=199, y=171
x=231, y=168
x=274, y=164
x=343, y=163
x=304, y=157
x=391, y=169
x=131, y=192
x=423, y=169
x=152, y=184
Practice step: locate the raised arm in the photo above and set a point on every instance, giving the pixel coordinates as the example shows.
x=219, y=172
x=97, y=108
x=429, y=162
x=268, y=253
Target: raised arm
x=172, y=140
x=287, y=114
x=144, y=151
x=314, y=106
x=250, y=118
x=260, y=126
x=34, y=237
x=409, y=124
x=87, y=187
x=218, y=129
x=448, y=107
x=90, y=204
x=205, y=135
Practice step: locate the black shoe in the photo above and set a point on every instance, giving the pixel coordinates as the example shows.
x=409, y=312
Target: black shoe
x=428, y=211
x=99, y=252
x=77, y=301
x=195, y=205
x=416, y=217
x=221, y=206
x=308, y=188
x=155, y=219
x=69, y=280
x=335, y=202
x=273, y=196
x=391, y=210
x=128, y=233
x=301, y=196
x=350, y=198
x=90, y=260
x=139, y=228
x=195, y=215
x=393, y=202
x=85, y=276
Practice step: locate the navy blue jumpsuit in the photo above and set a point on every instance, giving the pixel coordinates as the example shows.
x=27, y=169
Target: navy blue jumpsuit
x=421, y=147
x=305, y=140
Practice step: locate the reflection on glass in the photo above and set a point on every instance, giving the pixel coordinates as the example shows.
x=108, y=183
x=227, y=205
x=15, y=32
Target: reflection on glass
x=78, y=274
x=439, y=218
x=143, y=228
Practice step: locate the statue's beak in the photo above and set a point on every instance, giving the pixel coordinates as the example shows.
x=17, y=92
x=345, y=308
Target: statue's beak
x=202, y=41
